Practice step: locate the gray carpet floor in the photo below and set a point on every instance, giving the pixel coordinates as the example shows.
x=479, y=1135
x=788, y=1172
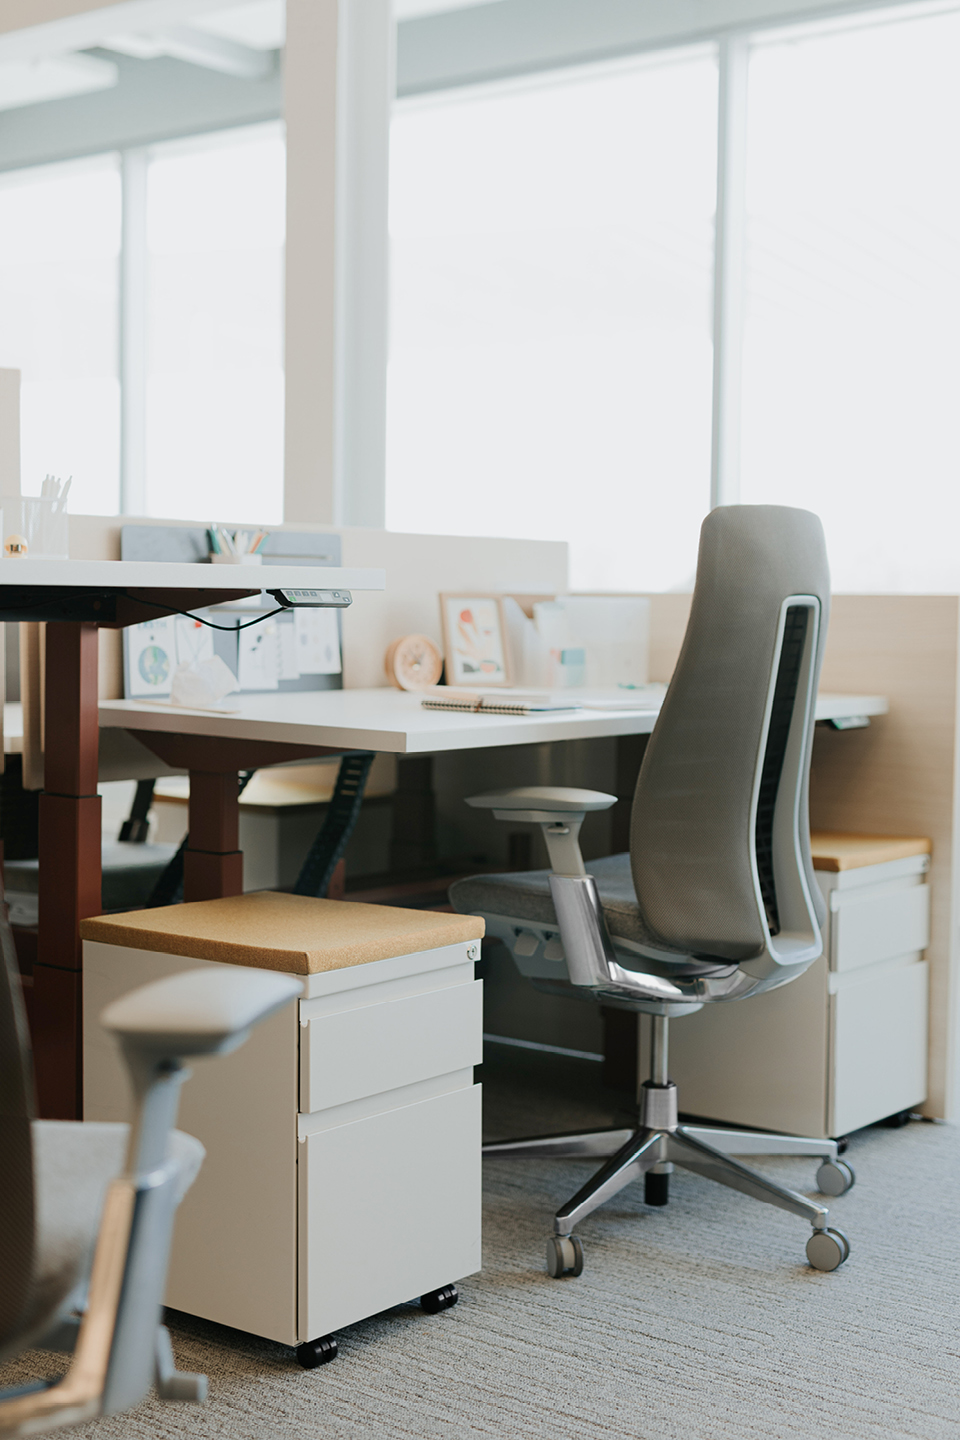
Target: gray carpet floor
x=700, y=1321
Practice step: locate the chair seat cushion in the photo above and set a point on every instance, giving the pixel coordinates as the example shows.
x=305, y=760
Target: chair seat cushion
x=525, y=895
x=74, y=1163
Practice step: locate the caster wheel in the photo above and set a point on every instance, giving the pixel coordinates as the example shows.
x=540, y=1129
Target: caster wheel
x=897, y=1120
x=827, y=1249
x=441, y=1299
x=564, y=1255
x=656, y=1188
x=835, y=1177
x=317, y=1352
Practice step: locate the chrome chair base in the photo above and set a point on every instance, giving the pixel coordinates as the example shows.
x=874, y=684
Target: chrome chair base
x=654, y=1147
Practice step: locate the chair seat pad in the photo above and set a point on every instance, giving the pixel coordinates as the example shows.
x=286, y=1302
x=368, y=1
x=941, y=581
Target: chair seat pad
x=525, y=895
x=74, y=1163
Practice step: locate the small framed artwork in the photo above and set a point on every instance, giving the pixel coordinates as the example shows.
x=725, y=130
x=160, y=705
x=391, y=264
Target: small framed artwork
x=474, y=640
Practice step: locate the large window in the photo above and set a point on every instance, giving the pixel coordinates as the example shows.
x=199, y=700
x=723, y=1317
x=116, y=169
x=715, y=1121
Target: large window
x=550, y=334
x=553, y=372
x=201, y=387
x=59, y=248
x=214, y=384
x=851, y=361
x=552, y=282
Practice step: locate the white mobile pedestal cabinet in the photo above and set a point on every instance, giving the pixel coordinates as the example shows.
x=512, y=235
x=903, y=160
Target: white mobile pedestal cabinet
x=845, y=1045
x=343, y=1140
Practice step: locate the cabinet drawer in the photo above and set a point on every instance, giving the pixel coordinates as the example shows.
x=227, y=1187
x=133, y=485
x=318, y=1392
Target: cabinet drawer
x=879, y=1043
x=389, y=1209
x=354, y=1053
x=879, y=927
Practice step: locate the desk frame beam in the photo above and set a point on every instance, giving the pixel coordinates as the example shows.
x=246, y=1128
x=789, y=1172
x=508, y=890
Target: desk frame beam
x=70, y=878
x=213, y=861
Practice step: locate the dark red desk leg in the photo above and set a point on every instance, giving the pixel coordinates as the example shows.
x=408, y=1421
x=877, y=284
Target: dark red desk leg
x=213, y=863
x=69, y=865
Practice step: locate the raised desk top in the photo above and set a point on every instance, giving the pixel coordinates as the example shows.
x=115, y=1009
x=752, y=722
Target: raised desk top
x=171, y=575
x=123, y=592
x=395, y=722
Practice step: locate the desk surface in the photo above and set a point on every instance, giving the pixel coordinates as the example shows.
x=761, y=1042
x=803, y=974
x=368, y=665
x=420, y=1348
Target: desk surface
x=395, y=722
x=164, y=575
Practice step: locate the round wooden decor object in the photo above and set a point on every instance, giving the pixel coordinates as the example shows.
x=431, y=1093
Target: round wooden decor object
x=413, y=663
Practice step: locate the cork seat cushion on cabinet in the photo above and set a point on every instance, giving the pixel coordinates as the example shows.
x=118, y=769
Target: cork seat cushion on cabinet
x=298, y=934
x=838, y=850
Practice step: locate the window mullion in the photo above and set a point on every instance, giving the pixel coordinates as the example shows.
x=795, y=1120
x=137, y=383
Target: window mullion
x=728, y=274
x=133, y=333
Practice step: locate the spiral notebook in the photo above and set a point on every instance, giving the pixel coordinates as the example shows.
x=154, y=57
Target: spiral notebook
x=502, y=702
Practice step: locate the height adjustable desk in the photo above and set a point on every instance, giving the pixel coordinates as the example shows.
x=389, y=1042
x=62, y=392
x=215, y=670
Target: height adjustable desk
x=385, y=720
x=76, y=598
x=213, y=747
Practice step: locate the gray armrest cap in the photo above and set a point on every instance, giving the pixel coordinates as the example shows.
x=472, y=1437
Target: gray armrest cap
x=543, y=797
x=201, y=1011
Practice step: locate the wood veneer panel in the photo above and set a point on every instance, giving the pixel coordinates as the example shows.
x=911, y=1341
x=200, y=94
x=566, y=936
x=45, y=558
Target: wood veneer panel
x=899, y=776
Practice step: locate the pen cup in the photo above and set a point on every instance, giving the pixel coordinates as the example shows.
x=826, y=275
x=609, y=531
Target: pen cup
x=34, y=528
x=236, y=559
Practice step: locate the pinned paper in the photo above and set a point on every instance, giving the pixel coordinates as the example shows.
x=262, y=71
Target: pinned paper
x=259, y=657
x=203, y=685
x=287, y=635
x=152, y=658
x=318, y=641
x=194, y=640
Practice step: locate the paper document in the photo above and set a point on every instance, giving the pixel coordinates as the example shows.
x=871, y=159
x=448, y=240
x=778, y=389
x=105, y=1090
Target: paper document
x=287, y=635
x=259, y=657
x=152, y=658
x=317, y=640
x=194, y=641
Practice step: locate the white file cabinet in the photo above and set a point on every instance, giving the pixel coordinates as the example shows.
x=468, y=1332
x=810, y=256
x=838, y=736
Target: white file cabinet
x=343, y=1139
x=845, y=1044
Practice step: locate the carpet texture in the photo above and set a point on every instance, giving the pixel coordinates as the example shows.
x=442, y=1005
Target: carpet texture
x=700, y=1321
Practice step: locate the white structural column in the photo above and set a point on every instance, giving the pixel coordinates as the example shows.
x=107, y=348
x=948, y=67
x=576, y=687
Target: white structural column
x=338, y=80
x=9, y=432
x=728, y=273
x=365, y=92
x=133, y=334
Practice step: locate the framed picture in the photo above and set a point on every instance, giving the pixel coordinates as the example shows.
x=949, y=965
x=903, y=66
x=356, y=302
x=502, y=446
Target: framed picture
x=474, y=640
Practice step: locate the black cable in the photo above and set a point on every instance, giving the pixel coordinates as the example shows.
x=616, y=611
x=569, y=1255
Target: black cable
x=139, y=600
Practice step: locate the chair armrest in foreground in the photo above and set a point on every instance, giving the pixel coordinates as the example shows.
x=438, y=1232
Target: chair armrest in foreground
x=202, y=1012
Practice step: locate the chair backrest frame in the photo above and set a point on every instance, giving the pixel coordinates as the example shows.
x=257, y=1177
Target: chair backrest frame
x=700, y=882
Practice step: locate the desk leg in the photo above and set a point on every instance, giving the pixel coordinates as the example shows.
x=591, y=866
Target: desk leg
x=413, y=841
x=69, y=865
x=213, y=862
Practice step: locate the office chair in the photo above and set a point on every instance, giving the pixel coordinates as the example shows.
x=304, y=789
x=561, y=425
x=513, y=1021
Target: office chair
x=83, y=1255
x=716, y=900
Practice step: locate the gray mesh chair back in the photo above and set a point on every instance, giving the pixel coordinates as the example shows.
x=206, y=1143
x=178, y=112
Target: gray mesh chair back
x=17, y=1201
x=719, y=842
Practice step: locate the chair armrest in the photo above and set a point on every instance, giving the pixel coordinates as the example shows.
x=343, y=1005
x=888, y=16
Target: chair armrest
x=541, y=802
x=202, y=1012
x=558, y=810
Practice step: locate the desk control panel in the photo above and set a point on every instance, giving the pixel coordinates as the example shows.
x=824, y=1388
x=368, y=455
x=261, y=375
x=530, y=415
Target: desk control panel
x=328, y=599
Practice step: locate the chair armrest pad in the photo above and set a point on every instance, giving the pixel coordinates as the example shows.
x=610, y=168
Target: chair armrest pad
x=201, y=1012
x=562, y=798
